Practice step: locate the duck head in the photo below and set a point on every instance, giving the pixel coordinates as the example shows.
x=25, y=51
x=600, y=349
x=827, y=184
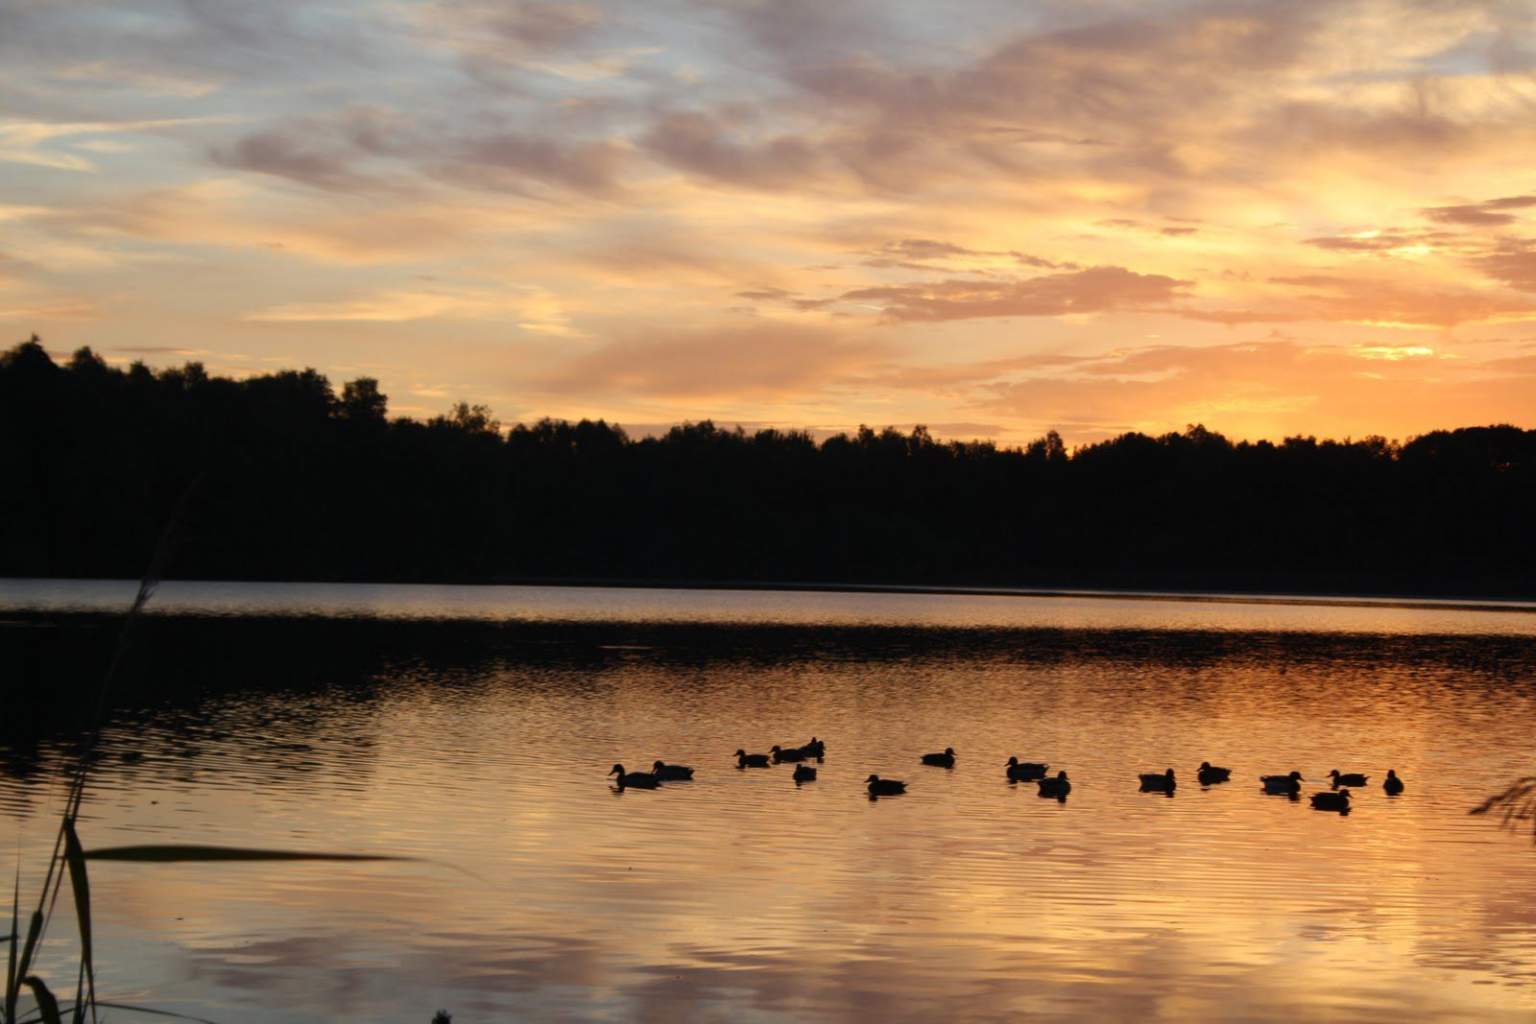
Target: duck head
x=617, y=769
x=1295, y=777
x=740, y=752
x=1334, y=774
x=1013, y=762
x=873, y=778
x=658, y=766
x=1062, y=776
x=1203, y=765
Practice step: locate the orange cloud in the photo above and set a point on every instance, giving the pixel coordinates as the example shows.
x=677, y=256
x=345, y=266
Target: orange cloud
x=1485, y=214
x=1513, y=262
x=1339, y=299
x=1094, y=290
x=765, y=359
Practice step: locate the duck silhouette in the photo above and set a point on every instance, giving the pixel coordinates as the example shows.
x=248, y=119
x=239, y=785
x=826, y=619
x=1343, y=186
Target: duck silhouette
x=1282, y=785
x=1159, y=783
x=804, y=773
x=815, y=748
x=746, y=760
x=884, y=787
x=671, y=772
x=1350, y=779
x=944, y=760
x=634, y=780
x=1210, y=775
x=1058, y=787
x=781, y=755
x=1024, y=771
x=1334, y=800
x=1393, y=785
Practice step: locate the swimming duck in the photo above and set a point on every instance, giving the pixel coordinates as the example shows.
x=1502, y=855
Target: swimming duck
x=781, y=755
x=1351, y=779
x=885, y=787
x=671, y=772
x=634, y=780
x=1024, y=771
x=1210, y=774
x=804, y=773
x=1282, y=785
x=944, y=760
x=746, y=760
x=1154, y=783
x=1058, y=787
x=1337, y=800
x=1393, y=785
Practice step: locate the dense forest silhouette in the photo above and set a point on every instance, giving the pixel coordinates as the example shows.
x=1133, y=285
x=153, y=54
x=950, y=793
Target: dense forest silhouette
x=285, y=479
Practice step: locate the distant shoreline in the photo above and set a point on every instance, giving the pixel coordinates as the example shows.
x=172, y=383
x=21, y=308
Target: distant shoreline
x=1515, y=602
x=1481, y=602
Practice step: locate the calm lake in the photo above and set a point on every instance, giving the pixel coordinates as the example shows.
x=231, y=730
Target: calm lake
x=472, y=727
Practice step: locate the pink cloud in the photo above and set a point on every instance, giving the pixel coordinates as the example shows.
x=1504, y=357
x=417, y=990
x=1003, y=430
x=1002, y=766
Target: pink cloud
x=761, y=360
x=1362, y=300
x=1484, y=214
x=1513, y=262
x=1095, y=290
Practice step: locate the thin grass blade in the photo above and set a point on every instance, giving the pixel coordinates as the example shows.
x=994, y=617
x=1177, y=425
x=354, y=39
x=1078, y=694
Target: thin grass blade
x=154, y=1013
x=176, y=853
x=10, y=965
x=47, y=1005
x=34, y=932
x=74, y=857
x=130, y=1008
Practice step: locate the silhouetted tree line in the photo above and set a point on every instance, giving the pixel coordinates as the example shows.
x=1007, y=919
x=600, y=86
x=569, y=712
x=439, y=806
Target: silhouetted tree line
x=288, y=480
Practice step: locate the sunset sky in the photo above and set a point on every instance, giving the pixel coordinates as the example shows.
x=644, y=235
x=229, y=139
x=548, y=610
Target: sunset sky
x=992, y=217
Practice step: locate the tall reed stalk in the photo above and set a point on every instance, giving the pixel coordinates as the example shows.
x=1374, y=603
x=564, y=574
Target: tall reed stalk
x=69, y=856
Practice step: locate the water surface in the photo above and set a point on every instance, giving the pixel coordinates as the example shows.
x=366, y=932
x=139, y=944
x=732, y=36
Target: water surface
x=549, y=896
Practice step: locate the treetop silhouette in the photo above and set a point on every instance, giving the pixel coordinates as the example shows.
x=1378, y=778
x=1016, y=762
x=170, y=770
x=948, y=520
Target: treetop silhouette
x=297, y=482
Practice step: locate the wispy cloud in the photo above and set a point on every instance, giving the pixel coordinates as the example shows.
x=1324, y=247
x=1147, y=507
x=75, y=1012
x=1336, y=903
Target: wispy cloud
x=37, y=142
x=764, y=359
x=1095, y=290
x=538, y=313
x=1489, y=213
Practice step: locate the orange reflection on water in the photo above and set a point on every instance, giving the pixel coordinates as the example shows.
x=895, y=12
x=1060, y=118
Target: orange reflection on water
x=741, y=894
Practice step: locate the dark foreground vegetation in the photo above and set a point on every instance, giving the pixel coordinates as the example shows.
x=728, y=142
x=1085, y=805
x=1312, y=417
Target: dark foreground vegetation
x=285, y=479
